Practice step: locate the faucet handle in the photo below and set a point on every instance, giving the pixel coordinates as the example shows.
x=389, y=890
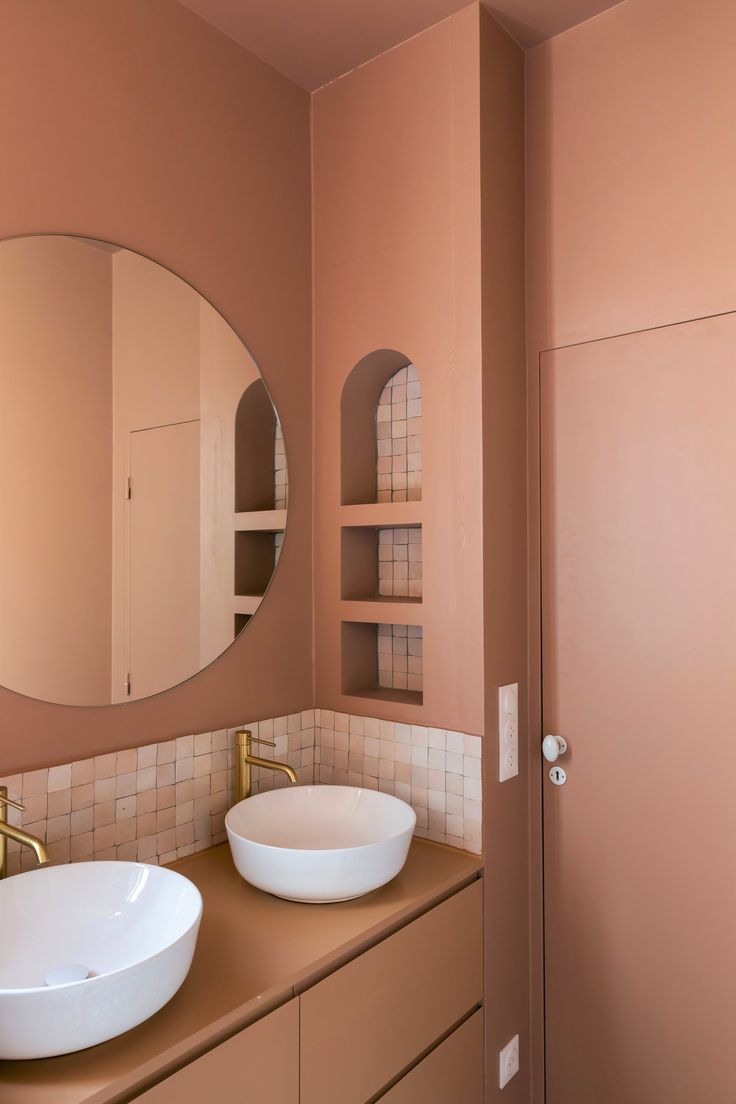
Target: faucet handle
x=246, y=736
x=9, y=801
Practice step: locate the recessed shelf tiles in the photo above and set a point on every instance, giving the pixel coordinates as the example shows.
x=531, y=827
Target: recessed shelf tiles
x=399, y=438
x=382, y=563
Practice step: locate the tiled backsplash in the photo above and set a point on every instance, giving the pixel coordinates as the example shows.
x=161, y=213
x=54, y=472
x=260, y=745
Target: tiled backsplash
x=167, y=800
x=154, y=803
x=437, y=772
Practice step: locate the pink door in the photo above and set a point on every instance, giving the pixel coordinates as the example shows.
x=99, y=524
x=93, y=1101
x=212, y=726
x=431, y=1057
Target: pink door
x=639, y=676
x=164, y=557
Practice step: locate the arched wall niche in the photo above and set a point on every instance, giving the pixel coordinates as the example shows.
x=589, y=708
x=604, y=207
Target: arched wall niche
x=255, y=449
x=368, y=390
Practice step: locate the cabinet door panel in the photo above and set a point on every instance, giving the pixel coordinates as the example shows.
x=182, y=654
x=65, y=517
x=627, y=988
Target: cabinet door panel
x=454, y=1071
x=259, y=1063
x=367, y=1022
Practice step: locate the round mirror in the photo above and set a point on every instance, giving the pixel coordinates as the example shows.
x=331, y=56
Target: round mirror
x=143, y=476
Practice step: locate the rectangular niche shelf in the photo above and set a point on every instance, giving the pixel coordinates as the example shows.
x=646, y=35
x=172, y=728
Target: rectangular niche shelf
x=256, y=556
x=382, y=563
x=382, y=661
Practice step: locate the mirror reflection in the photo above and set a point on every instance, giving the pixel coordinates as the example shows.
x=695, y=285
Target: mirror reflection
x=142, y=475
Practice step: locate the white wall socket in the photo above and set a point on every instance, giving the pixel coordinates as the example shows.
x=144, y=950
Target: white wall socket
x=508, y=731
x=508, y=1062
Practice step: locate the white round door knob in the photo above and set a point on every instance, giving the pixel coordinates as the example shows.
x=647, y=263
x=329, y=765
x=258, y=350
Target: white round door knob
x=553, y=747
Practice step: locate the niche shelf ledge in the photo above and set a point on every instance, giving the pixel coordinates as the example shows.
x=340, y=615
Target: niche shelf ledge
x=246, y=603
x=384, y=694
x=400, y=611
x=383, y=515
x=259, y=521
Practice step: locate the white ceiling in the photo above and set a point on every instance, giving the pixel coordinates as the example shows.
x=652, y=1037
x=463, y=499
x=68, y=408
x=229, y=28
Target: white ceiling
x=315, y=41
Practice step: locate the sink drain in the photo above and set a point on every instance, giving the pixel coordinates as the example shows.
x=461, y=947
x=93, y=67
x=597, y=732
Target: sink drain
x=63, y=975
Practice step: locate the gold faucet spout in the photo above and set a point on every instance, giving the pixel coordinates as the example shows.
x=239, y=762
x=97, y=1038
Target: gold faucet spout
x=9, y=831
x=256, y=761
x=37, y=845
x=246, y=760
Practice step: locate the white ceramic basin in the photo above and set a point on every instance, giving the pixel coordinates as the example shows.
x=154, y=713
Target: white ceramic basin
x=132, y=927
x=320, y=843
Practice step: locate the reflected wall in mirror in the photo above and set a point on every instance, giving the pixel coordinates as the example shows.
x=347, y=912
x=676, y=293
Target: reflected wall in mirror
x=142, y=475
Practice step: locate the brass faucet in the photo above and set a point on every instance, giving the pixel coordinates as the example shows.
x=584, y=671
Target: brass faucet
x=246, y=760
x=9, y=831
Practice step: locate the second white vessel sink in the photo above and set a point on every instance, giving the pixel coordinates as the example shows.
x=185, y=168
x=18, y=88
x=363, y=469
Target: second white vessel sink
x=89, y=950
x=320, y=843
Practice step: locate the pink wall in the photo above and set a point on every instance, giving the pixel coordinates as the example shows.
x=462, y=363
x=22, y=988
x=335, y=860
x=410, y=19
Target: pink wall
x=419, y=232
x=505, y=812
x=152, y=129
x=397, y=266
x=56, y=388
x=631, y=222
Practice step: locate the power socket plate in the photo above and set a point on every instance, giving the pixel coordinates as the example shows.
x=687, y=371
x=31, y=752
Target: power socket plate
x=508, y=731
x=508, y=1062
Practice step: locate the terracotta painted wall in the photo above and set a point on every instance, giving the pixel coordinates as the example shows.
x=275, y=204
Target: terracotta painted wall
x=397, y=266
x=56, y=388
x=418, y=163
x=506, y=808
x=631, y=173
x=196, y=155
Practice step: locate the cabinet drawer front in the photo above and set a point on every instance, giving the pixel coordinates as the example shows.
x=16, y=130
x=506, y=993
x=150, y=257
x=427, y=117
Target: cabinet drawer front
x=367, y=1022
x=259, y=1063
x=454, y=1071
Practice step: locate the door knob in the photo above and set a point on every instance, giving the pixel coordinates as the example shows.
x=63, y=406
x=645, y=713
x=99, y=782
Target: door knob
x=553, y=747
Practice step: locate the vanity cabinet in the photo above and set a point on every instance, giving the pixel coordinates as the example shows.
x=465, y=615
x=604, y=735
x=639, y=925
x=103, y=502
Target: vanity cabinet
x=259, y=1063
x=368, y=1021
x=451, y=1072
x=363, y=1026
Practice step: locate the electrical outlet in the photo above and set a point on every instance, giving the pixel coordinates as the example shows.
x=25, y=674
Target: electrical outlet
x=508, y=731
x=508, y=1062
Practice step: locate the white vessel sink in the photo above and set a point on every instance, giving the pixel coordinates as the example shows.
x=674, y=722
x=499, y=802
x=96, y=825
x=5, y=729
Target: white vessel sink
x=89, y=950
x=320, y=843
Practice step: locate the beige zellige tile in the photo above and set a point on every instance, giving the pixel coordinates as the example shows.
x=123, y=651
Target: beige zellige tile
x=59, y=803
x=34, y=809
x=147, y=756
x=105, y=789
x=126, y=762
x=455, y=743
x=125, y=784
x=35, y=783
x=471, y=767
x=81, y=821
x=184, y=747
x=59, y=778
x=472, y=746
x=203, y=743
x=105, y=766
x=437, y=738
x=166, y=752
x=148, y=778
x=83, y=772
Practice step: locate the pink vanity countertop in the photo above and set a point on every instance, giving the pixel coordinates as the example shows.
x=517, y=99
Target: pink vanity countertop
x=254, y=952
